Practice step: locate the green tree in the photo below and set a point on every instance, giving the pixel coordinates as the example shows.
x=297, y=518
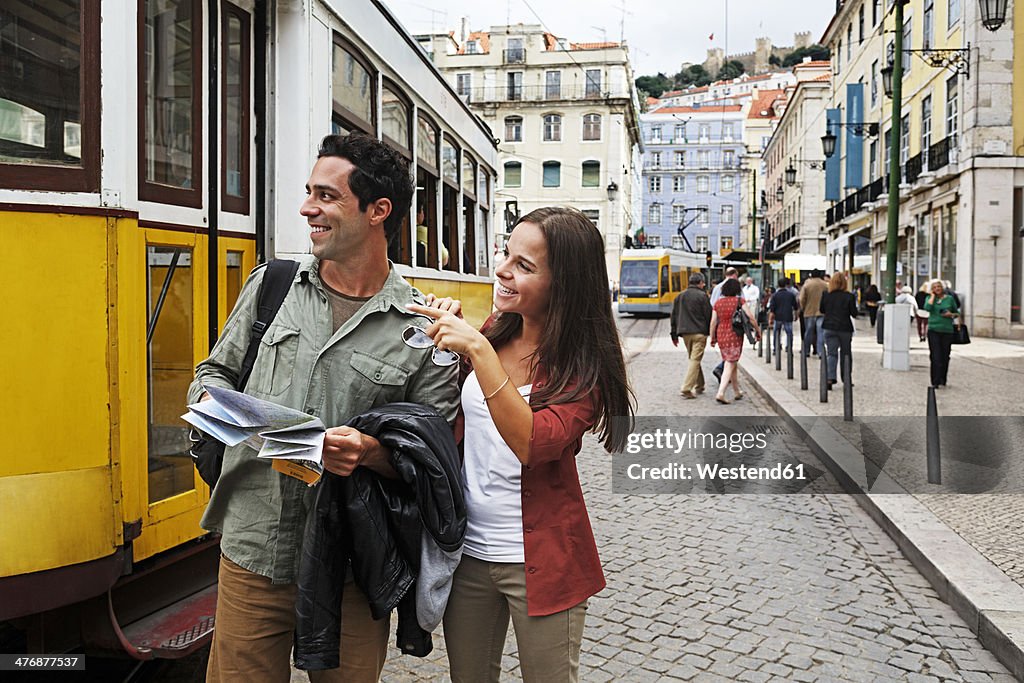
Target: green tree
x=815, y=52
x=653, y=86
x=730, y=70
x=693, y=75
x=774, y=60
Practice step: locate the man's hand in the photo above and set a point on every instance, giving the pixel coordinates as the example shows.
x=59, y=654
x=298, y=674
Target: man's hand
x=346, y=448
x=675, y=341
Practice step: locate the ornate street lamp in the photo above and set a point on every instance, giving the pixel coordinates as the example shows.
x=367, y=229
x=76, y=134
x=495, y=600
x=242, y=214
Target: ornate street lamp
x=993, y=13
x=779, y=194
x=828, y=144
x=613, y=190
x=887, y=80
x=790, y=175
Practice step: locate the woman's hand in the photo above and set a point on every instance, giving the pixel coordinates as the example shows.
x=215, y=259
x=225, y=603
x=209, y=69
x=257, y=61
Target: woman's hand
x=453, y=306
x=450, y=332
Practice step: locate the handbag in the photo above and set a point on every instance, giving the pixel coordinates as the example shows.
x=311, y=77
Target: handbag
x=208, y=453
x=961, y=335
x=741, y=324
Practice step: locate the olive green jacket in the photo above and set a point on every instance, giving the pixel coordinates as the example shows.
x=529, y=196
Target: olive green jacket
x=302, y=364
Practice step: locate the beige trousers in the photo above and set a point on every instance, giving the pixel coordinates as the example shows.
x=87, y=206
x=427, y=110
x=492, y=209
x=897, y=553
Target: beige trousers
x=484, y=596
x=255, y=626
x=694, y=373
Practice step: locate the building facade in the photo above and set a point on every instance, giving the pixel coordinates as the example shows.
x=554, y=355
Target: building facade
x=961, y=170
x=566, y=115
x=693, y=177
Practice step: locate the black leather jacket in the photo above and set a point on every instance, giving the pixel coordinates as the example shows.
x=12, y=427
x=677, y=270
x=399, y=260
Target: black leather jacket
x=377, y=524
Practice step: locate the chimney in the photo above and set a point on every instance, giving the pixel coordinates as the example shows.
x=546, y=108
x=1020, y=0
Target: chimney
x=464, y=30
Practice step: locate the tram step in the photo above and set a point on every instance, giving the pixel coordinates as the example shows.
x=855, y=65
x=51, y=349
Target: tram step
x=178, y=629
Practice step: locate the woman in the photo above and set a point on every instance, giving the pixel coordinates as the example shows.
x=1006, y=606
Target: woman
x=544, y=369
x=942, y=310
x=838, y=306
x=922, y=315
x=871, y=299
x=730, y=343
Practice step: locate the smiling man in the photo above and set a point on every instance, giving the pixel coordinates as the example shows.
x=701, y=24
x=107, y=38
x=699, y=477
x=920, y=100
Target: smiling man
x=335, y=349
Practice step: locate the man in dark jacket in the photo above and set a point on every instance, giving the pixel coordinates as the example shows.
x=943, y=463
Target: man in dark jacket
x=691, y=320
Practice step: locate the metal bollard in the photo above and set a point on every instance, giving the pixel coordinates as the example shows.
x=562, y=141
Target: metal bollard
x=847, y=365
x=823, y=380
x=767, y=346
x=803, y=368
x=778, y=349
x=932, y=436
x=760, y=346
x=789, y=361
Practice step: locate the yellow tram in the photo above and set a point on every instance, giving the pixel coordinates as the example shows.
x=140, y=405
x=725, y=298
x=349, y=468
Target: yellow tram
x=144, y=170
x=650, y=279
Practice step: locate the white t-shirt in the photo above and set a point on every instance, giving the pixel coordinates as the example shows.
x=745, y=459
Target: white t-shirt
x=751, y=295
x=494, y=504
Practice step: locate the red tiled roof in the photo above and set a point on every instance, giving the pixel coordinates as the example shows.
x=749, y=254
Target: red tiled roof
x=591, y=46
x=765, y=102
x=653, y=100
x=482, y=37
x=818, y=63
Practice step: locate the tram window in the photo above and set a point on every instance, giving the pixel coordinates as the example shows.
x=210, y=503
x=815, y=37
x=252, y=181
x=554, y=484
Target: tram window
x=170, y=366
x=235, y=121
x=395, y=119
x=483, y=191
x=482, y=252
x=450, y=227
x=398, y=248
x=352, y=84
x=469, y=245
x=468, y=174
x=449, y=161
x=426, y=219
x=664, y=279
x=638, y=275
x=235, y=277
x=426, y=143
x=49, y=95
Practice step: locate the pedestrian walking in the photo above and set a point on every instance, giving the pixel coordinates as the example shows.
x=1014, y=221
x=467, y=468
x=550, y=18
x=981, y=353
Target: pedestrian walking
x=839, y=307
x=544, y=369
x=871, y=299
x=751, y=295
x=730, y=341
x=716, y=294
x=782, y=309
x=942, y=310
x=691, y=320
x=809, y=302
x=920, y=297
x=357, y=196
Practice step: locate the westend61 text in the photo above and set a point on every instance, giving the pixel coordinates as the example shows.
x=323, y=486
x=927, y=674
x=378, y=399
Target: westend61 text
x=668, y=439
x=711, y=472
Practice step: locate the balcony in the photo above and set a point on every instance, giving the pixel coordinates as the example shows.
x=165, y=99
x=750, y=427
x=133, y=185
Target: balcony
x=913, y=167
x=515, y=55
x=543, y=93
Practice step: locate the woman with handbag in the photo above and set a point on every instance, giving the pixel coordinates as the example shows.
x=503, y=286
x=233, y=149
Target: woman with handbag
x=839, y=308
x=729, y=340
x=942, y=310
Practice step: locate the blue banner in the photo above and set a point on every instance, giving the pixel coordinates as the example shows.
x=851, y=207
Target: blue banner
x=854, y=142
x=832, y=168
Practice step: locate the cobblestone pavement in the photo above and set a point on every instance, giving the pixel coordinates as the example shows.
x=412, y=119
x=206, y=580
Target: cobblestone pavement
x=744, y=587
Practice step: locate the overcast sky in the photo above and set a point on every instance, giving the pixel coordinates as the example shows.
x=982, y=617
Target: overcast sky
x=659, y=40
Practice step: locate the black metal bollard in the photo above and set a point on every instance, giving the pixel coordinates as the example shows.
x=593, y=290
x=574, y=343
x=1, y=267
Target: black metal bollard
x=760, y=346
x=777, y=335
x=880, y=326
x=803, y=368
x=789, y=361
x=932, y=437
x=823, y=379
x=767, y=346
x=847, y=365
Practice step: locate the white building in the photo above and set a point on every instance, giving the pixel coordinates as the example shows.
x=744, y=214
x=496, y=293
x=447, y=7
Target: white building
x=566, y=115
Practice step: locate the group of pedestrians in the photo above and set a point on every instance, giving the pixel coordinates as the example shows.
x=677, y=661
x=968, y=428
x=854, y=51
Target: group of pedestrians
x=827, y=310
x=354, y=339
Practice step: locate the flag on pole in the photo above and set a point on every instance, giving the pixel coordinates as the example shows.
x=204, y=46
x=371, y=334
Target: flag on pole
x=711, y=37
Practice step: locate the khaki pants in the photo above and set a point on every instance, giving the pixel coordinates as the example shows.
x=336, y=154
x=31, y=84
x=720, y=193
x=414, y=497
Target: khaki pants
x=484, y=595
x=255, y=625
x=694, y=373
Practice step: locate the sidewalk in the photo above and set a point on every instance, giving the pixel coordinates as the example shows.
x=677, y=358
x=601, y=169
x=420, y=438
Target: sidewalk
x=969, y=546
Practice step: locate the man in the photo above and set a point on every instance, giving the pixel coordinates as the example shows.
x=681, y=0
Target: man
x=691, y=320
x=716, y=294
x=782, y=309
x=751, y=295
x=810, y=303
x=335, y=349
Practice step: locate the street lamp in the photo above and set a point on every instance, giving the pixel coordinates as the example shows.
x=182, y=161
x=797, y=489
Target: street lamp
x=779, y=194
x=790, y=175
x=887, y=80
x=828, y=140
x=613, y=190
x=993, y=13
x=828, y=144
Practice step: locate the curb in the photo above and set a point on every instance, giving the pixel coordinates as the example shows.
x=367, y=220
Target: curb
x=988, y=600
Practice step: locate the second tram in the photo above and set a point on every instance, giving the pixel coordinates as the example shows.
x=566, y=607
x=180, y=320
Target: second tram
x=650, y=279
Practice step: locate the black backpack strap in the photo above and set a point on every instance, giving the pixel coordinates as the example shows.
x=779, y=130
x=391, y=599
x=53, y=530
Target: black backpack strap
x=274, y=288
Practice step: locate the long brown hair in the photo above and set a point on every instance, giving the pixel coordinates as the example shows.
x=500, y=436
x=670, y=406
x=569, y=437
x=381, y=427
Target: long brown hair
x=580, y=344
x=837, y=283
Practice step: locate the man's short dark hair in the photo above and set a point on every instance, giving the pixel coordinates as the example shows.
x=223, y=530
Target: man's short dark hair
x=783, y=282
x=731, y=288
x=380, y=173
x=696, y=278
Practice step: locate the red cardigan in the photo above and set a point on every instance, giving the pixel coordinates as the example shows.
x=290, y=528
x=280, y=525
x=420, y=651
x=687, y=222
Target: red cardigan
x=562, y=565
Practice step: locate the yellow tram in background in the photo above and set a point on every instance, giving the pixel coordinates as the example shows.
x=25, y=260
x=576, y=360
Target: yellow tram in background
x=145, y=169
x=650, y=279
